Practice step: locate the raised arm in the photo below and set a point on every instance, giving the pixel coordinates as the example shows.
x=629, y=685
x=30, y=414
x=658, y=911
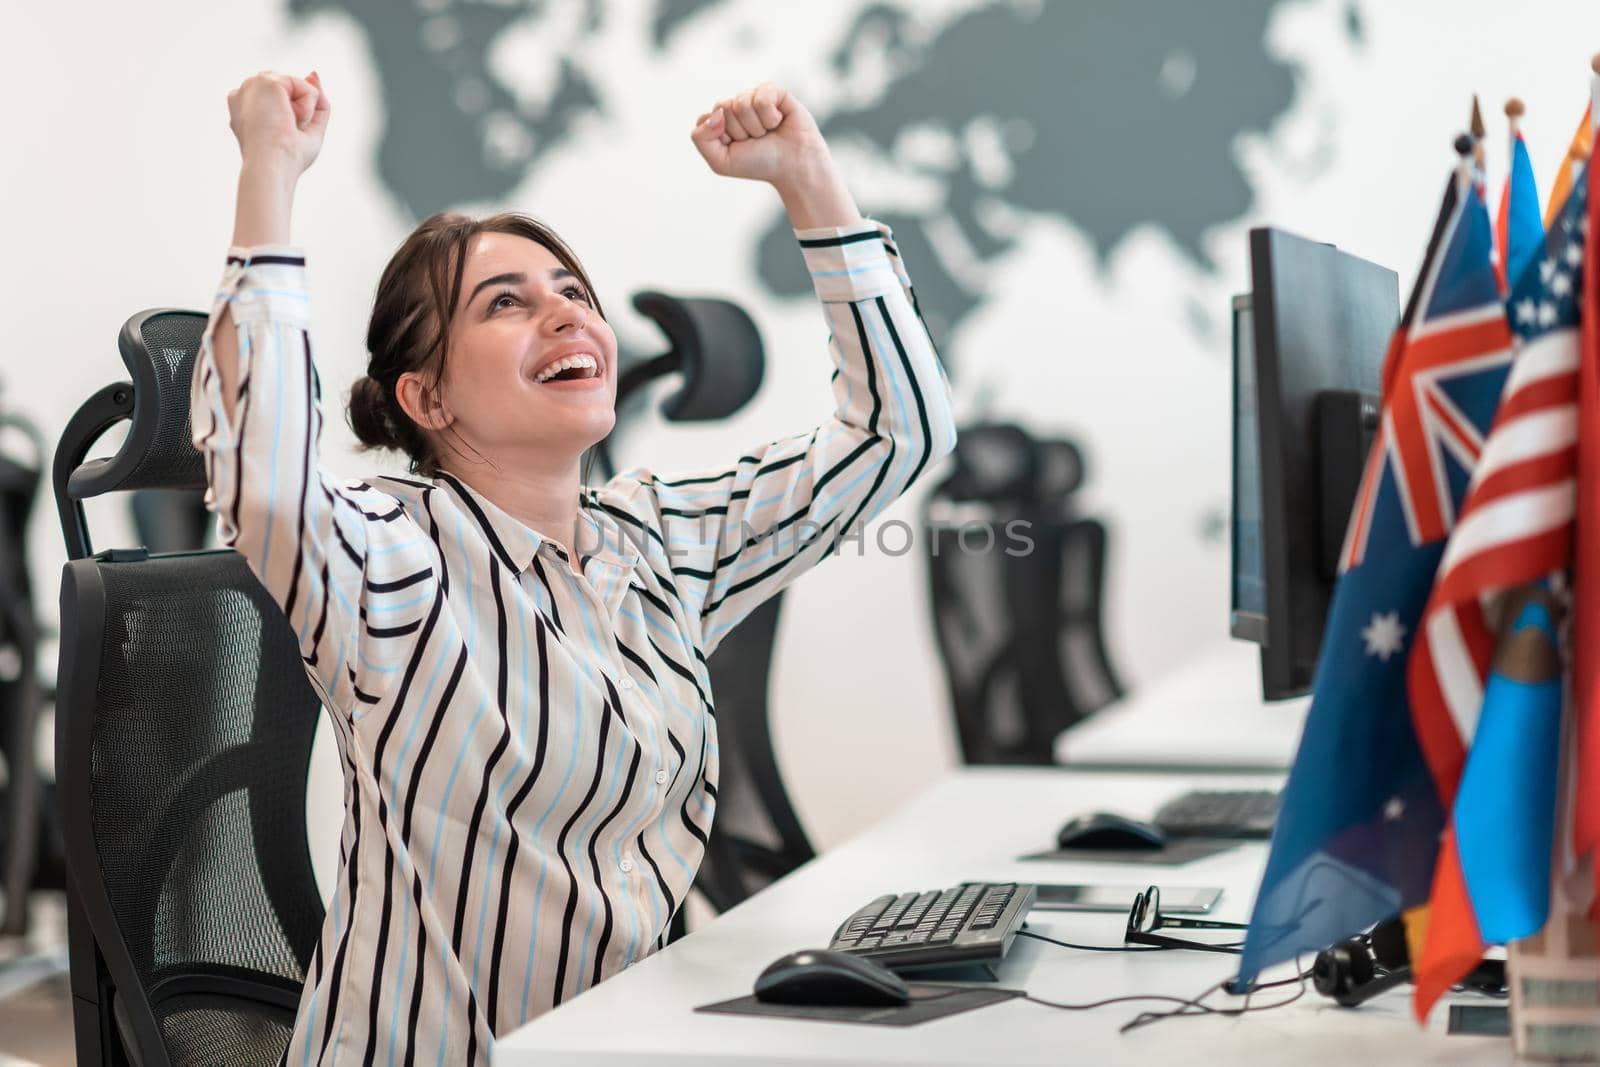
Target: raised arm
x=734, y=535
x=255, y=406
x=279, y=122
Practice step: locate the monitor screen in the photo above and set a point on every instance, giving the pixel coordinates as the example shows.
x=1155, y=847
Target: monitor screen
x=1248, y=615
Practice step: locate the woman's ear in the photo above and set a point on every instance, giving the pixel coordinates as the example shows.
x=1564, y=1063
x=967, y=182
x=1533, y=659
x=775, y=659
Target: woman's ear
x=423, y=403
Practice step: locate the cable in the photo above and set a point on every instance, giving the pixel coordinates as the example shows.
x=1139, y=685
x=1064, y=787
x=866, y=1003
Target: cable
x=1145, y=1018
x=1091, y=948
x=1192, y=1006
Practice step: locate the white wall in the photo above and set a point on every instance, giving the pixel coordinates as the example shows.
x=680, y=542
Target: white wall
x=117, y=187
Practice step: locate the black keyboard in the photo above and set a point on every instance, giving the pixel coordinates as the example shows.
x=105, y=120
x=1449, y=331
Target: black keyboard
x=973, y=922
x=1241, y=813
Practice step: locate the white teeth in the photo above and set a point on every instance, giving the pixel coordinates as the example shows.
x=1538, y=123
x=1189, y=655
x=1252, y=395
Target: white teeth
x=567, y=363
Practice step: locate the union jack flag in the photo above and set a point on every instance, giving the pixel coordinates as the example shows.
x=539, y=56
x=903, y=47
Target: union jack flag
x=1442, y=376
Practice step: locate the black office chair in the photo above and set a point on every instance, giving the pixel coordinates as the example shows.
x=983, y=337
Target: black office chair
x=171, y=520
x=29, y=845
x=756, y=837
x=1020, y=630
x=184, y=730
x=713, y=344
x=990, y=484
x=1081, y=546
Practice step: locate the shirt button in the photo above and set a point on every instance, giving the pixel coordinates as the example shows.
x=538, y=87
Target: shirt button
x=627, y=866
x=661, y=778
x=626, y=682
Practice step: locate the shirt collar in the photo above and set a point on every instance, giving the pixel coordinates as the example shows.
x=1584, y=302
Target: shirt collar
x=516, y=543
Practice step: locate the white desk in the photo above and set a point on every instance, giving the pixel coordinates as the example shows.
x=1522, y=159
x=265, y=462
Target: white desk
x=973, y=825
x=1206, y=716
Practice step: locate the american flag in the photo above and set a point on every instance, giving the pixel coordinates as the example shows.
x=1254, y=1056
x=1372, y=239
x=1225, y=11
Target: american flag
x=1516, y=528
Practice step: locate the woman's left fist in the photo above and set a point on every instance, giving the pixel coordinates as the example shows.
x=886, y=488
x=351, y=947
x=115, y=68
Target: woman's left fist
x=764, y=134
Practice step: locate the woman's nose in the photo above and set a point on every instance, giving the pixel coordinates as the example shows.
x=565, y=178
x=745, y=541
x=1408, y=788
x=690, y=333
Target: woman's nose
x=564, y=318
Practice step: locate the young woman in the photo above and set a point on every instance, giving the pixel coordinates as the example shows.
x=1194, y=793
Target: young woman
x=514, y=662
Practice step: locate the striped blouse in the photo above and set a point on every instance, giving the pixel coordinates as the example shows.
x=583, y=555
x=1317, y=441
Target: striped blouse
x=530, y=752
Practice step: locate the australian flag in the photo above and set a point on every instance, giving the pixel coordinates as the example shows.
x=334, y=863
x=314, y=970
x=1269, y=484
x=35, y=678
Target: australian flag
x=1359, y=824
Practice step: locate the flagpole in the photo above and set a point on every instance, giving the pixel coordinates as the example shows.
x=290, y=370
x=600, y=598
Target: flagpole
x=1594, y=97
x=1476, y=127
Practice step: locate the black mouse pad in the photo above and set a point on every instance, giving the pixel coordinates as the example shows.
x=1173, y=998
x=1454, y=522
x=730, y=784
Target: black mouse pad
x=1183, y=850
x=927, y=1002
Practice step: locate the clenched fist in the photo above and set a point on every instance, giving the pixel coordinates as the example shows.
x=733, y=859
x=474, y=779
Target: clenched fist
x=764, y=134
x=279, y=120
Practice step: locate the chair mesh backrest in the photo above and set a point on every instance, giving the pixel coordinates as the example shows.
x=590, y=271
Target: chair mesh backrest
x=171, y=344
x=201, y=737
x=756, y=836
x=1087, y=669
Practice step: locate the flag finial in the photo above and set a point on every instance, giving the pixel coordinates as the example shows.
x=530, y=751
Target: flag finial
x=1594, y=64
x=1464, y=144
x=1477, y=127
x=1514, y=108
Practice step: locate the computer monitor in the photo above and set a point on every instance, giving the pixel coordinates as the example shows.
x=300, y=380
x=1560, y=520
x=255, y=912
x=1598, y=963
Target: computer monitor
x=1308, y=348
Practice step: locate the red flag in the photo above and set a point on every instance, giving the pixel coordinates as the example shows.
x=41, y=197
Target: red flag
x=1586, y=562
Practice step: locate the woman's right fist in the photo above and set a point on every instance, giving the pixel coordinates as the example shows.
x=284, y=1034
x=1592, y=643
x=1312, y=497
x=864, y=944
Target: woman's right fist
x=279, y=119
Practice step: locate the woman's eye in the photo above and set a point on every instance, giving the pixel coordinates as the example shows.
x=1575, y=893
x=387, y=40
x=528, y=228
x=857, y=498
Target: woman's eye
x=494, y=305
x=576, y=293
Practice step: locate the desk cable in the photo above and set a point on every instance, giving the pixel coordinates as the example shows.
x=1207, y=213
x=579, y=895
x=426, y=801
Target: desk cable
x=1186, y=1007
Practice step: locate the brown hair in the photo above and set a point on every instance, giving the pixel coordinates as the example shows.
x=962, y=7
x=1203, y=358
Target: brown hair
x=411, y=318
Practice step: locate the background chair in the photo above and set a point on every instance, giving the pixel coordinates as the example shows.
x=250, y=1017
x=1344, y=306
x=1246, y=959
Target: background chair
x=713, y=344
x=31, y=851
x=1019, y=628
x=184, y=734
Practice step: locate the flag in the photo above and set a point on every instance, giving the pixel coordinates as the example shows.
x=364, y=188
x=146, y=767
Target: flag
x=1571, y=164
x=1515, y=530
x=1518, y=227
x=1586, y=563
x=1360, y=819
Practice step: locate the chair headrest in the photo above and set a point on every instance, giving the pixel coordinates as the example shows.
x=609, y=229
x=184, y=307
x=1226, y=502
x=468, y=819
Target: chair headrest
x=716, y=346
x=1061, y=469
x=1003, y=463
x=159, y=348
x=993, y=462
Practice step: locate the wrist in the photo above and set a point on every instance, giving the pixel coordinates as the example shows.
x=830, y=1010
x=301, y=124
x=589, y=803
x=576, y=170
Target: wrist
x=268, y=172
x=265, y=201
x=814, y=195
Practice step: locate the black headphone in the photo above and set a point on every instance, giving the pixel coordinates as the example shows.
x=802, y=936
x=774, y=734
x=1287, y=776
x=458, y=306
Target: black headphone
x=1362, y=967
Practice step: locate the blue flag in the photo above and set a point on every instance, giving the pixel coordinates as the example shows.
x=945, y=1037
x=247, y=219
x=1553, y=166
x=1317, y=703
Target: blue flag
x=1519, y=230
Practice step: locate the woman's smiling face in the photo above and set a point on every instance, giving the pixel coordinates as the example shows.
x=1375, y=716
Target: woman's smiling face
x=531, y=364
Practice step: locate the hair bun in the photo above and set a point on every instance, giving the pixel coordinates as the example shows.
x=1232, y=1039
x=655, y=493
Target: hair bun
x=369, y=414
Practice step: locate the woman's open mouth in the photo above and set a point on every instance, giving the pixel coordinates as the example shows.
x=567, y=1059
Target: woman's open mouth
x=578, y=371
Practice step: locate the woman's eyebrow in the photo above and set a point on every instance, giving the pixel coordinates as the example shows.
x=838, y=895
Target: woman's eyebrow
x=515, y=278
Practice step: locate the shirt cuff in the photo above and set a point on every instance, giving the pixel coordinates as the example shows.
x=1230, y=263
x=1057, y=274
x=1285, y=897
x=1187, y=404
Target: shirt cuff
x=266, y=283
x=848, y=263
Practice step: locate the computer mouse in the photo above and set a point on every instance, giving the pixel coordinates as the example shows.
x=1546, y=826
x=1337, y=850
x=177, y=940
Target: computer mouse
x=822, y=977
x=1104, y=830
